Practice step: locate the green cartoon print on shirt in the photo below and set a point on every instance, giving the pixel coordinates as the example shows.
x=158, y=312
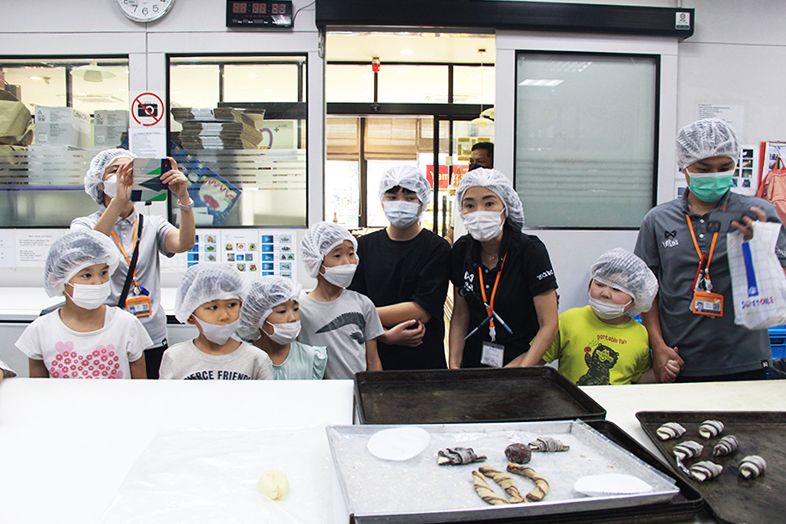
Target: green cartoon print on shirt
x=599, y=361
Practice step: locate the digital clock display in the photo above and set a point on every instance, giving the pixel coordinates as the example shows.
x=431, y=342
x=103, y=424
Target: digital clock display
x=255, y=13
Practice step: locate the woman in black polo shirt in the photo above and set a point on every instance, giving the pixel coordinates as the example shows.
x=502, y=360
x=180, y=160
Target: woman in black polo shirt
x=505, y=303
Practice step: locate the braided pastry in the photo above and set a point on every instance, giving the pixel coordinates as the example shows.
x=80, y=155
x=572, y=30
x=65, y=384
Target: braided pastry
x=505, y=482
x=482, y=488
x=541, y=484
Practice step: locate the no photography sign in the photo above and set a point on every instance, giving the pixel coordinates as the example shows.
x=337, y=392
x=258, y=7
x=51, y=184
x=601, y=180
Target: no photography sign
x=147, y=110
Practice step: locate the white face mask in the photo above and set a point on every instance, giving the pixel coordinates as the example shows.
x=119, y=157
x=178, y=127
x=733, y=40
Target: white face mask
x=110, y=186
x=484, y=225
x=284, y=333
x=340, y=276
x=218, y=333
x=90, y=296
x=401, y=214
x=607, y=310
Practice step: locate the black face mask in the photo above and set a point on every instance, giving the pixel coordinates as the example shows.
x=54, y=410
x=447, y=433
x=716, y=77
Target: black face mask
x=473, y=166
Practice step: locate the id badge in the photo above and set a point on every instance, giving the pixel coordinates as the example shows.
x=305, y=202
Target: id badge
x=492, y=354
x=139, y=305
x=710, y=304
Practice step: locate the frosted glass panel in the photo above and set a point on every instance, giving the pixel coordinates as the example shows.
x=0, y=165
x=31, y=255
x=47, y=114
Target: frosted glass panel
x=585, y=138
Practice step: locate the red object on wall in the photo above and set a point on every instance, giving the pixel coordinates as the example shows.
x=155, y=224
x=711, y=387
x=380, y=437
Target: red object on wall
x=375, y=64
x=443, y=174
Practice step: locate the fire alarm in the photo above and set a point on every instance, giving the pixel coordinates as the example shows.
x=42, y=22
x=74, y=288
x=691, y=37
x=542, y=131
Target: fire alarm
x=375, y=64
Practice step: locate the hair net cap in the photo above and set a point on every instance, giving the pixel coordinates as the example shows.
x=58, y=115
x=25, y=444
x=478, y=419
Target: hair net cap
x=320, y=240
x=705, y=139
x=408, y=177
x=206, y=282
x=265, y=294
x=498, y=183
x=621, y=269
x=73, y=252
x=94, y=179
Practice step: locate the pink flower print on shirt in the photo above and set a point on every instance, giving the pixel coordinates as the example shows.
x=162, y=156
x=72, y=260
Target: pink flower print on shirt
x=100, y=363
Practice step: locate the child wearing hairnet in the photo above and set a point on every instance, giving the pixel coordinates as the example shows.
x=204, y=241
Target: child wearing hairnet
x=342, y=320
x=600, y=344
x=270, y=319
x=209, y=297
x=404, y=269
x=84, y=338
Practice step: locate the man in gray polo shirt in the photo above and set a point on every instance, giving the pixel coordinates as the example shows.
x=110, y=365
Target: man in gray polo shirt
x=708, y=346
x=109, y=182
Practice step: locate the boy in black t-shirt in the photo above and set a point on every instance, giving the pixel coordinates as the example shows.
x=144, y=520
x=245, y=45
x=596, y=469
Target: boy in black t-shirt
x=404, y=270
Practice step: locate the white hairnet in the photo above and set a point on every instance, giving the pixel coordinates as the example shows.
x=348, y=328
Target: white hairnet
x=320, y=240
x=705, y=139
x=265, y=294
x=94, y=179
x=498, y=183
x=206, y=282
x=621, y=269
x=73, y=252
x=408, y=177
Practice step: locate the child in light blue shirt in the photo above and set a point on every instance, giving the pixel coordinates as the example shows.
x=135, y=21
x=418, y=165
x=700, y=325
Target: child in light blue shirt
x=270, y=319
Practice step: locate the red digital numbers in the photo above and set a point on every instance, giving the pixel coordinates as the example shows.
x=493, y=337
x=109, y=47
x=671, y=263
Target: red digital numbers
x=239, y=7
x=259, y=8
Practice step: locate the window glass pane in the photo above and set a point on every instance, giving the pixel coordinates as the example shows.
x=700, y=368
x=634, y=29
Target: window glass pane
x=349, y=83
x=415, y=84
x=585, y=138
x=474, y=85
x=342, y=192
x=240, y=132
x=261, y=83
x=67, y=109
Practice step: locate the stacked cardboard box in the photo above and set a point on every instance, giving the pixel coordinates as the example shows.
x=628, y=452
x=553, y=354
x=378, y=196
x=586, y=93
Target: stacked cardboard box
x=219, y=128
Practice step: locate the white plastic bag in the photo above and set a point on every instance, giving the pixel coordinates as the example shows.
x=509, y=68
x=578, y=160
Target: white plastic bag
x=757, y=280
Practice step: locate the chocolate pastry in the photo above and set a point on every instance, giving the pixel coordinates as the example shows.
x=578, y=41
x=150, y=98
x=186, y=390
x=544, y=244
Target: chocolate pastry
x=518, y=453
x=458, y=456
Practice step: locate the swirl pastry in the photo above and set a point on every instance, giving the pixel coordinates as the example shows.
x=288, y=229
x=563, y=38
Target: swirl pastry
x=541, y=484
x=688, y=449
x=670, y=430
x=752, y=466
x=725, y=446
x=705, y=470
x=458, y=456
x=547, y=444
x=503, y=479
x=710, y=428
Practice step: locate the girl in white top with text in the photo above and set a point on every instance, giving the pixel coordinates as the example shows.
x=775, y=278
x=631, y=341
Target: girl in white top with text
x=84, y=338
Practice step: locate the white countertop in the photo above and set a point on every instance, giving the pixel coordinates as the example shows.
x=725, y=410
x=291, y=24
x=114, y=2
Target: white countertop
x=67, y=446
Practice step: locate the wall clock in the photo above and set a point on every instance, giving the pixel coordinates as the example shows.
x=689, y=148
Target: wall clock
x=144, y=10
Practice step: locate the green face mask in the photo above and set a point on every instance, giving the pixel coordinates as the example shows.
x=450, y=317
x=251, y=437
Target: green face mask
x=710, y=188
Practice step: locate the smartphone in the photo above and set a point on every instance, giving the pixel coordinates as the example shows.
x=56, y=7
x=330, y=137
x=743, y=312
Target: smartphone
x=147, y=179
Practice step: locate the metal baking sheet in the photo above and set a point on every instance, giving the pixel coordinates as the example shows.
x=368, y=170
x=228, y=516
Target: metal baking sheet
x=418, y=491
x=470, y=395
x=729, y=497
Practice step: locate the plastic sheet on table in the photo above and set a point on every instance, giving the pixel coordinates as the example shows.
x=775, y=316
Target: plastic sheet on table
x=198, y=476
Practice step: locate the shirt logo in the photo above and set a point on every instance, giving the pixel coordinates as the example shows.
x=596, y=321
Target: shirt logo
x=670, y=239
x=468, y=279
x=545, y=274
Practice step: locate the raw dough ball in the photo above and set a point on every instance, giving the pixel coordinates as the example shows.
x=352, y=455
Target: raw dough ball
x=274, y=484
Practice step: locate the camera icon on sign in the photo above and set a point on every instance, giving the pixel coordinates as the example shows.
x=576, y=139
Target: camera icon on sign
x=147, y=110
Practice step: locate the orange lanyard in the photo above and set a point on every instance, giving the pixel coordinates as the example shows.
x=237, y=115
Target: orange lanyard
x=703, y=256
x=490, y=307
x=120, y=245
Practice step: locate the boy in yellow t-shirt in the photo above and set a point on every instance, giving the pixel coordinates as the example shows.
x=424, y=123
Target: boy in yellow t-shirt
x=601, y=344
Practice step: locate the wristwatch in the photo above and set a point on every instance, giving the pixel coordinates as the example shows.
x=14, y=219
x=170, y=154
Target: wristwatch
x=186, y=207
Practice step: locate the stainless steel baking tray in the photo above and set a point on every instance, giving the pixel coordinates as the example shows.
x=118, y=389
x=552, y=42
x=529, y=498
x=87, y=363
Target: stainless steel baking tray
x=419, y=491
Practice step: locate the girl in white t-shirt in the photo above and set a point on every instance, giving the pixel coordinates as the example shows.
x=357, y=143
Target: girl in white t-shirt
x=84, y=338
